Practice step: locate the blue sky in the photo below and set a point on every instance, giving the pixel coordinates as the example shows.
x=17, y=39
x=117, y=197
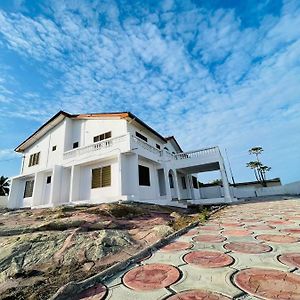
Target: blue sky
x=210, y=72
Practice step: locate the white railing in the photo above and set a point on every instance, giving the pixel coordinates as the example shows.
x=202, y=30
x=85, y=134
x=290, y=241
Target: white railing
x=99, y=146
x=197, y=153
x=146, y=146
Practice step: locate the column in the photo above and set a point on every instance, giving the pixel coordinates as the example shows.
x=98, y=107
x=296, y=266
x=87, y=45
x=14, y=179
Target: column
x=74, y=183
x=225, y=182
x=129, y=177
x=177, y=185
x=56, y=180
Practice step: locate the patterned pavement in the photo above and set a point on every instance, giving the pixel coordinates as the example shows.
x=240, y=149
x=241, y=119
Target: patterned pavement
x=248, y=251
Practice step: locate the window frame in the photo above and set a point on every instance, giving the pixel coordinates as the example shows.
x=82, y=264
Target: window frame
x=141, y=136
x=144, y=171
x=102, y=181
x=34, y=159
x=28, y=189
x=102, y=136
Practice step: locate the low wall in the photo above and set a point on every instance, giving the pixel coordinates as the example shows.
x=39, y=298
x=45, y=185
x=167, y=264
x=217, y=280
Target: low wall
x=3, y=201
x=217, y=191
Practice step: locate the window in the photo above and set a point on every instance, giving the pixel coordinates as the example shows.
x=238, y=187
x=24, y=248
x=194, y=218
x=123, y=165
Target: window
x=195, y=182
x=171, y=181
x=144, y=176
x=75, y=145
x=102, y=137
x=142, y=137
x=166, y=148
x=34, y=159
x=101, y=177
x=28, y=188
x=48, y=179
x=183, y=183
x=54, y=148
x=158, y=146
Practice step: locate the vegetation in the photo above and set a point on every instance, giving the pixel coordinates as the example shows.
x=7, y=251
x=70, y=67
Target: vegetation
x=257, y=166
x=4, y=186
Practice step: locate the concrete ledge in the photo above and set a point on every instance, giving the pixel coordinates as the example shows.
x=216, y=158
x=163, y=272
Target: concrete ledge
x=69, y=290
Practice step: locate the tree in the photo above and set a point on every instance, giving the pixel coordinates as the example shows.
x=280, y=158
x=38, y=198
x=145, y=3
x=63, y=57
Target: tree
x=217, y=181
x=260, y=170
x=4, y=186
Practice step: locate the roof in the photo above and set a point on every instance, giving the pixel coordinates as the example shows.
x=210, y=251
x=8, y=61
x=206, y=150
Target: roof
x=58, y=117
x=172, y=137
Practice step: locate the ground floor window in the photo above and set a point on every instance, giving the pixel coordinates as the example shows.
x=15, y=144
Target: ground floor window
x=28, y=188
x=183, y=183
x=101, y=177
x=144, y=176
x=171, y=181
x=195, y=182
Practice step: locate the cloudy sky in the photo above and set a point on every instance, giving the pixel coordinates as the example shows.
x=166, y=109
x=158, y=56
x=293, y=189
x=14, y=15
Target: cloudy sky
x=210, y=72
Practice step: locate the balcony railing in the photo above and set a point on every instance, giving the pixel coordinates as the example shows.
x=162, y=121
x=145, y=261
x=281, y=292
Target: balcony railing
x=146, y=146
x=198, y=153
x=96, y=147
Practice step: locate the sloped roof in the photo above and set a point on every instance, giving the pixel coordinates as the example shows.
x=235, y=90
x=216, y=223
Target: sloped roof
x=58, y=117
x=172, y=137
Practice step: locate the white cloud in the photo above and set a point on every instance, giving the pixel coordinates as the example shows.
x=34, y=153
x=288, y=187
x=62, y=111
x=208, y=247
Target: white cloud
x=196, y=73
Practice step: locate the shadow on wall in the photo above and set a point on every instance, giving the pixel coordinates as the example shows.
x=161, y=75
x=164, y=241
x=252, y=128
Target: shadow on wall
x=3, y=201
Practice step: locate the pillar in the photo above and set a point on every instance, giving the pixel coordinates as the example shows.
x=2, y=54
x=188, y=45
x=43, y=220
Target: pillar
x=225, y=182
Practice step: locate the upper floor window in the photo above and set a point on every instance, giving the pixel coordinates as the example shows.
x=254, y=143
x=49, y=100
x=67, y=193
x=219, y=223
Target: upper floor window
x=75, y=145
x=53, y=148
x=144, y=176
x=101, y=177
x=28, y=188
x=34, y=159
x=166, y=148
x=195, y=182
x=183, y=183
x=102, y=136
x=142, y=137
x=158, y=146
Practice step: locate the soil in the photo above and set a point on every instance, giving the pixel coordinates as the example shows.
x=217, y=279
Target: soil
x=43, y=249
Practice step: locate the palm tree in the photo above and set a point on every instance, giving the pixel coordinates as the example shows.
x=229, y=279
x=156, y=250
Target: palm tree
x=4, y=186
x=259, y=169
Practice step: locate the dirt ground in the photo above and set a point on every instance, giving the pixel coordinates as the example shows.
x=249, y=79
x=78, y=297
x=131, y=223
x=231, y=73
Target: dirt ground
x=43, y=249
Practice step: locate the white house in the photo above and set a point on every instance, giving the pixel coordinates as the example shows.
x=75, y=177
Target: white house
x=105, y=157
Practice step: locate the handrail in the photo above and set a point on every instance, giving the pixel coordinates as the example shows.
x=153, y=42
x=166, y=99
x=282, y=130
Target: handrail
x=197, y=153
x=146, y=146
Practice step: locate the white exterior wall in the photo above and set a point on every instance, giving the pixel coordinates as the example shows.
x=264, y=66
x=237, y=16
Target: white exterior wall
x=3, y=201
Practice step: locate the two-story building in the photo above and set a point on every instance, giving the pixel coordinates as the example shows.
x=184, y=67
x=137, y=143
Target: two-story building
x=105, y=157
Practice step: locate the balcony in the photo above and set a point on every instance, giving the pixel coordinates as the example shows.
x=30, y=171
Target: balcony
x=127, y=143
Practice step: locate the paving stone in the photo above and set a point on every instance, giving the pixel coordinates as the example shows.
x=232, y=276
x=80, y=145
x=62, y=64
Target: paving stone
x=208, y=259
x=209, y=238
x=269, y=284
x=247, y=247
x=277, y=238
x=151, y=277
x=266, y=260
x=121, y=292
x=96, y=292
x=290, y=259
x=198, y=295
x=176, y=246
x=217, y=280
x=173, y=258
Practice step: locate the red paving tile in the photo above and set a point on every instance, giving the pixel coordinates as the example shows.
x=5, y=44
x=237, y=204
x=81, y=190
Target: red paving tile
x=191, y=232
x=236, y=232
x=260, y=227
x=208, y=259
x=177, y=246
x=151, y=277
x=269, y=284
x=209, y=238
x=291, y=230
x=96, y=292
x=290, y=259
x=277, y=238
x=198, y=295
x=210, y=228
x=248, y=247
